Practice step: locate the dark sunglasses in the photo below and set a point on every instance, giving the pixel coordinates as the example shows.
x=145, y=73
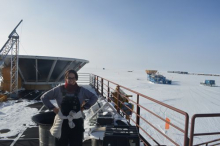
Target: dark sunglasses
x=69, y=78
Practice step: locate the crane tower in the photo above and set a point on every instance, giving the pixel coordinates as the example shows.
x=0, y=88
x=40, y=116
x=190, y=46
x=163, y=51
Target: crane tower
x=12, y=45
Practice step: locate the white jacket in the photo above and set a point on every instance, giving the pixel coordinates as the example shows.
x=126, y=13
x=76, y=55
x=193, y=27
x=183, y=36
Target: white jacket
x=58, y=121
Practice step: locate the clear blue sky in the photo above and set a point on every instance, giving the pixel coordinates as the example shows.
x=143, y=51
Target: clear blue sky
x=143, y=34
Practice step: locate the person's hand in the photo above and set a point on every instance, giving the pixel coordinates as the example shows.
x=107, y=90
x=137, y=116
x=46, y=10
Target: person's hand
x=82, y=109
x=56, y=110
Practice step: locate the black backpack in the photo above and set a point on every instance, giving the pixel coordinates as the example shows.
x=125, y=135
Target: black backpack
x=69, y=102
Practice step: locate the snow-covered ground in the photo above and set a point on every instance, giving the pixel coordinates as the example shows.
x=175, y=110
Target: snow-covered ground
x=185, y=93
x=16, y=117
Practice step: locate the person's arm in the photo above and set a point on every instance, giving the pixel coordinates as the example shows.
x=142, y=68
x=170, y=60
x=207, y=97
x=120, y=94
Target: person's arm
x=49, y=95
x=92, y=98
x=56, y=110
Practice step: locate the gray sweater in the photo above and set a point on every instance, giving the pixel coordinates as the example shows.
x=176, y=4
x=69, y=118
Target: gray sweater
x=56, y=94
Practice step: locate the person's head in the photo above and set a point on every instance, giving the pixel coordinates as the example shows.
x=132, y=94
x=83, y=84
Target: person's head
x=71, y=76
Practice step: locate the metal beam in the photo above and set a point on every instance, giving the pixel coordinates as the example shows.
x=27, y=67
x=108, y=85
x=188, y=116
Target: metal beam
x=14, y=30
x=51, y=70
x=62, y=73
x=14, y=66
x=4, y=52
x=77, y=63
x=36, y=68
x=41, y=83
x=80, y=66
x=21, y=74
x=4, y=45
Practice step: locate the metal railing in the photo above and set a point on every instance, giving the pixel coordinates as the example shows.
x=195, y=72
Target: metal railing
x=83, y=78
x=192, y=134
x=106, y=88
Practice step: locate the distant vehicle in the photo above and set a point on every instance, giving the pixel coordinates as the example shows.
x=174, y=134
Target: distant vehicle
x=155, y=77
x=208, y=83
x=160, y=79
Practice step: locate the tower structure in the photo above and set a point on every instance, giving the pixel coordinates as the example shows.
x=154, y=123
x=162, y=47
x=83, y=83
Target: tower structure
x=12, y=45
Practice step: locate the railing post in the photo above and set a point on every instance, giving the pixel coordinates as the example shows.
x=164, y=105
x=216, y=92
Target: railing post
x=97, y=83
x=108, y=93
x=90, y=80
x=118, y=89
x=94, y=80
x=186, y=139
x=192, y=130
x=102, y=86
x=138, y=113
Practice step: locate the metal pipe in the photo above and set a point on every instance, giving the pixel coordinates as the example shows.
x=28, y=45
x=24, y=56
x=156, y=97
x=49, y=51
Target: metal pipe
x=14, y=30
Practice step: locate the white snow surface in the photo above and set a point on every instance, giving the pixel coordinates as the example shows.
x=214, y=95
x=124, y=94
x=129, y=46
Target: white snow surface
x=185, y=93
x=16, y=117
